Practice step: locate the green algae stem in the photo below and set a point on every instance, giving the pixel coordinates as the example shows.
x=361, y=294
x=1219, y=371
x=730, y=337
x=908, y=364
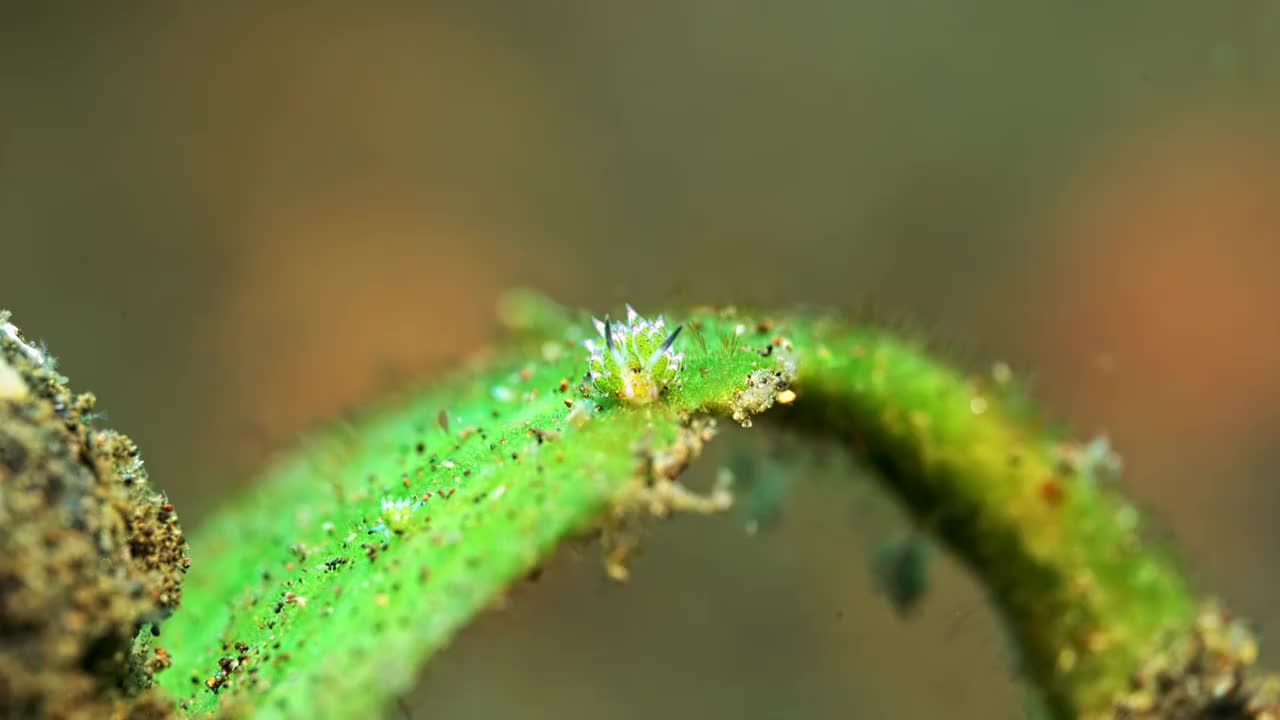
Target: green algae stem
x=306, y=601
x=1085, y=597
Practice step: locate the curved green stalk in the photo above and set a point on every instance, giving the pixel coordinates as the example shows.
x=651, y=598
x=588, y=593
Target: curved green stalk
x=310, y=601
x=1056, y=546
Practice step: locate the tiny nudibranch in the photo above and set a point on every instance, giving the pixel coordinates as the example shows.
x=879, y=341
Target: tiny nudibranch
x=397, y=512
x=637, y=362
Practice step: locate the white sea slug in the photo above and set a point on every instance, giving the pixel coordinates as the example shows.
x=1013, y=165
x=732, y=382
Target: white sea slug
x=397, y=513
x=636, y=361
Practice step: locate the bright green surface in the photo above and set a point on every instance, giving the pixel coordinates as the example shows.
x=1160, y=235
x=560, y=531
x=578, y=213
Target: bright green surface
x=367, y=625
x=1056, y=547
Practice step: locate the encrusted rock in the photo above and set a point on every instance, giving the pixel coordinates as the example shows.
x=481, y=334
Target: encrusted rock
x=89, y=553
x=1208, y=674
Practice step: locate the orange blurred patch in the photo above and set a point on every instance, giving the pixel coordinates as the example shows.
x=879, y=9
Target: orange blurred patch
x=1167, y=262
x=333, y=310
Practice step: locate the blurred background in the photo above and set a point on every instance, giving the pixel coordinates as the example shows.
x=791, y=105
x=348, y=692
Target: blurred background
x=233, y=220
